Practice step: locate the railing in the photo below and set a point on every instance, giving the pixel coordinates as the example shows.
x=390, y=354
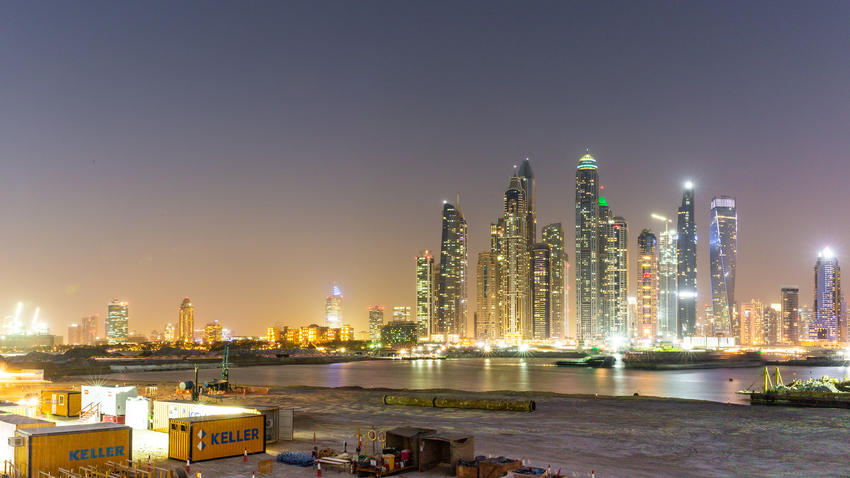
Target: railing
x=89, y=411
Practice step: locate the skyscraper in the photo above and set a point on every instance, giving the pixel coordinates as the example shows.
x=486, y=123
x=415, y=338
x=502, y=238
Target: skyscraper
x=647, y=286
x=186, y=321
x=333, y=308
x=752, y=325
x=401, y=313
x=425, y=298
x=667, y=290
x=790, y=300
x=213, y=333
x=553, y=236
x=772, y=324
x=515, y=266
x=89, y=329
x=613, y=260
x=829, y=303
x=723, y=256
x=117, y=317
x=541, y=273
x=451, y=305
x=487, y=323
x=587, y=249
x=376, y=321
x=526, y=178
x=686, y=268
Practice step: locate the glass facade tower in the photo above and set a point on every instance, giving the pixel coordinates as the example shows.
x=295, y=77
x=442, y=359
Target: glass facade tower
x=587, y=250
x=553, y=236
x=451, y=299
x=425, y=300
x=828, y=322
x=686, y=267
x=723, y=255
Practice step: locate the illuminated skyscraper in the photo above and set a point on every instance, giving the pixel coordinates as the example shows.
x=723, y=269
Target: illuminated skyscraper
x=686, y=270
x=213, y=333
x=752, y=325
x=541, y=273
x=553, y=236
x=790, y=300
x=75, y=334
x=186, y=321
x=425, y=297
x=333, y=308
x=89, y=329
x=526, y=178
x=451, y=300
x=487, y=324
x=613, y=273
x=401, y=313
x=723, y=256
x=117, y=317
x=587, y=250
x=376, y=321
x=667, y=292
x=772, y=324
x=829, y=303
x=515, y=266
x=169, y=334
x=647, y=286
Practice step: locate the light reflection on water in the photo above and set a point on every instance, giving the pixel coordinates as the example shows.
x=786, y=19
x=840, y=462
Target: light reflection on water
x=519, y=374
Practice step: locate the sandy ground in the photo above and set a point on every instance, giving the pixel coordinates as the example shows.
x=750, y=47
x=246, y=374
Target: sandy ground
x=634, y=437
x=626, y=436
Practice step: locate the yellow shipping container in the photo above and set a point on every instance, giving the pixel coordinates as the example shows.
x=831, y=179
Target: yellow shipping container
x=216, y=436
x=63, y=403
x=47, y=449
x=9, y=424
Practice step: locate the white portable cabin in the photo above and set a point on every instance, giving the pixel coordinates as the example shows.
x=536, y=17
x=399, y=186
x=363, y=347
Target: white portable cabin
x=112, y=398
x=139, y=412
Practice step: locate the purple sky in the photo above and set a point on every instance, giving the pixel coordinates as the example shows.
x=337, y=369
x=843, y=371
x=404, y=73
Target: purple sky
x=247, y=154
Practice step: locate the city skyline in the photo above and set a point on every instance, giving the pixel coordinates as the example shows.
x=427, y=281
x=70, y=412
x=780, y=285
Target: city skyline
x=123, y=163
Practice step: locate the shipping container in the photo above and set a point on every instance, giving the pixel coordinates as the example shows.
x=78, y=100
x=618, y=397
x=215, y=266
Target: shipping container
x=110, y=399
x=8, y=425
x=63, y=403
x=278, y=423
x=139, y=413
x=47, y=449
x=23, y=410
x=273, y=419
x=216, y=436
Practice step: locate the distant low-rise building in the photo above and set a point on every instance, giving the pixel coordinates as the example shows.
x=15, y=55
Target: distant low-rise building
x=212, y=333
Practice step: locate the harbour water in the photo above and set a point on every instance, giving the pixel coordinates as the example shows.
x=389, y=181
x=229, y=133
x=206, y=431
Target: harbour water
x=517, y=374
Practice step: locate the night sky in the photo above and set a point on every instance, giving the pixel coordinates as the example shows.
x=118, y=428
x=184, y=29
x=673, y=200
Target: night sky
x=247, y=154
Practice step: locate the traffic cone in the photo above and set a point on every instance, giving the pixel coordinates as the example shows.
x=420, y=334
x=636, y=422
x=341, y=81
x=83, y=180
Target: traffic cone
x=245, y=456
x=188, y=470
x=319, y=470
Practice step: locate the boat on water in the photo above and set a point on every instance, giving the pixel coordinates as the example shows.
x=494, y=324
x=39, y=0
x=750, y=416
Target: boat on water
x=825, y=392
x=685, y=360
x=596, y=361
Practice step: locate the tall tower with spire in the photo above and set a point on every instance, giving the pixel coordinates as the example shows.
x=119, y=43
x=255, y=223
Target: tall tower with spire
x=526, y=177
x=451, y=296
x=587, y=249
